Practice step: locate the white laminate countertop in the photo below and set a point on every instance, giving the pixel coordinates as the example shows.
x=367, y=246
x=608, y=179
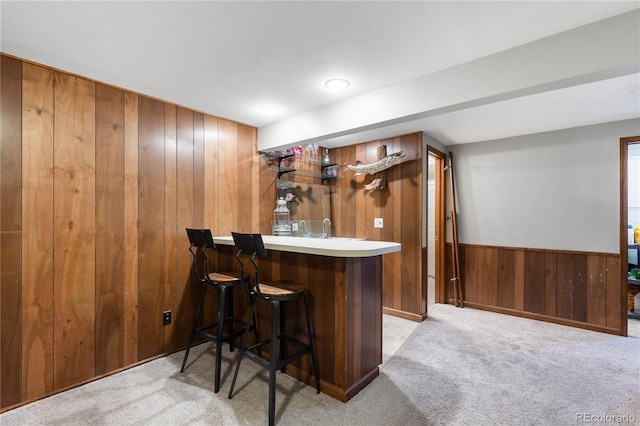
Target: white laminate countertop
x=334, y=247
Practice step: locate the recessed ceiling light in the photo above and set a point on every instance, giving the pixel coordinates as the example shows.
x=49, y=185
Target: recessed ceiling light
x=269, y=109
x=337, y=84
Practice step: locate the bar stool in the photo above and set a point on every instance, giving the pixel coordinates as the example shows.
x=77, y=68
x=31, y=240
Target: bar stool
x=249, y=246
x=201, y=240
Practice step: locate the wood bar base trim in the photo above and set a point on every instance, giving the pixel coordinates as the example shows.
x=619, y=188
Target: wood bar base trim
x=405, y=315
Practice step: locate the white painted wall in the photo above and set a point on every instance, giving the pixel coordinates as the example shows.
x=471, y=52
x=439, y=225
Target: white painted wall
x=556, y=190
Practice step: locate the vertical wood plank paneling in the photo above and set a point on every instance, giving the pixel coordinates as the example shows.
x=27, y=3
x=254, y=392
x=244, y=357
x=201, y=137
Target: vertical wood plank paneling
x=470, y=268
x=151, y=222
x=551, y=290
x=109, y=229
x=74, y=230
x=580, y=295
x=597, y=290
x=187, y=289
x=518, y=281
x=130, y=228
x=228, y=166
x=506, y=277
x=256, y=202
x=37, y=235
x=565, y=285
x=535, y=281
x=361, y=227
x=211, y=174
x=245, y=180
x=198, y=170
x=10, y=230
x=487, y=277
x=411, y=229
x=170, y=229
x=614, y=292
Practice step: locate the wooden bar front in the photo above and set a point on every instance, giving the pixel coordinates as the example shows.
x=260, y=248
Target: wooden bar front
x=345, y=302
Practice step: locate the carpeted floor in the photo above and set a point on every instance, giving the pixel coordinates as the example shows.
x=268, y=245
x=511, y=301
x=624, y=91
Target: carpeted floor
x=459, y=367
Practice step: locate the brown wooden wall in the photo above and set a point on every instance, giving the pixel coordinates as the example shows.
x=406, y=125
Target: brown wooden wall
x=400, y=206
x=98, y=185
x=572, y=288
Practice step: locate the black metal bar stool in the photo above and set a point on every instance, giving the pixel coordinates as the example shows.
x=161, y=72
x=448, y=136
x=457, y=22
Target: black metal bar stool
x=201, y=240
x=249, y=246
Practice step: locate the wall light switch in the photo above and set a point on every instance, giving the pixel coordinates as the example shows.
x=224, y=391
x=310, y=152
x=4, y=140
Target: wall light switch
x=377, y=222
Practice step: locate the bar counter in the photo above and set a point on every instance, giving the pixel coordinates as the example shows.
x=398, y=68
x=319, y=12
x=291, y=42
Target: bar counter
x=344, y=279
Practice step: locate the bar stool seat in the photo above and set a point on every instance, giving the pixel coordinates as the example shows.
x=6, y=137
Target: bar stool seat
x=275, y=293
x=201, y=240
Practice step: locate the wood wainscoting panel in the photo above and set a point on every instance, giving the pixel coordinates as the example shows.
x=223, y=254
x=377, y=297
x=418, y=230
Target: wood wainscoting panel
x=572, y=288
x=580, y=280
x=74, y=230
x=109, y=229
x=535, y=283
x=565, y=288
x=616, y=294
x=506, y=277
x=597, y=290
x=10, y=230
x=488, y=276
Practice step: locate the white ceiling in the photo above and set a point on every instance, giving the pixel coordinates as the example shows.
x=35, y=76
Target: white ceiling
x=229, y=58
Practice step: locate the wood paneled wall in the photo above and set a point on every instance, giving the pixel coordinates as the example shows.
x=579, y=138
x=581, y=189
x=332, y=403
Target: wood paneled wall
x=98, y=185
x=400, y=207
x=572, y=288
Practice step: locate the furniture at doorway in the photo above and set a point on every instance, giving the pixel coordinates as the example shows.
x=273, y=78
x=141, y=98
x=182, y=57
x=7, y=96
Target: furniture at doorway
x=633, y=288
x=343, y=278
x=200, y=242
x=277, y=294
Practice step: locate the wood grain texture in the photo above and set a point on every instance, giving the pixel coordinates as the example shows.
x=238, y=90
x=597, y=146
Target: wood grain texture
x=597, y=290
x=37, y=235
x=10, y=230
x=488, y=279
x=109, y=230
x=74, y=230
x=544, y=285
x=121, y=209
x=400, y=206
x=615, y=293
x=211, y=155
x=187, y=289
x=565, y=285
x=346, y=315
x=535, y=282
x=131, y=227
x=151, y=223
x=228, y=178
x=170, y=220
x=506, y=277
x=550, y=284
x=580, y=279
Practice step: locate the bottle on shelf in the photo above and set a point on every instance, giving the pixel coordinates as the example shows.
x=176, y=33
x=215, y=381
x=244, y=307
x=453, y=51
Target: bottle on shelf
x=281, y=224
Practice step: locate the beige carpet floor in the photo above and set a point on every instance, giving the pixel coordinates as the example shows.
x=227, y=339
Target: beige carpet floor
x=459, y=367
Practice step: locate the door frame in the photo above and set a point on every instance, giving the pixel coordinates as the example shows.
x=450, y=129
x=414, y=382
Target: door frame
x=624, y=221
x=440, y=222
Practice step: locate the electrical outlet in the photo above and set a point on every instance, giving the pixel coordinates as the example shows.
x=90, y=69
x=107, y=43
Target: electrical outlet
x=377, y=222
x=166, y=318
